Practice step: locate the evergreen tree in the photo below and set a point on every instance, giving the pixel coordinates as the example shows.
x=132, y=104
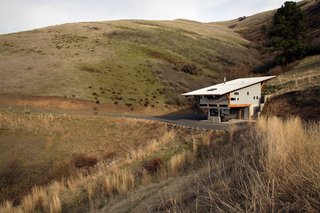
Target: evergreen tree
x=288, y=33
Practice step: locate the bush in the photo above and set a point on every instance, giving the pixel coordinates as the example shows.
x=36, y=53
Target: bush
x=314, y=47
x=242, y=18
x=173, y=98
x=153, y=165
x=84, y=161
x=192, y=69
x=10, y=174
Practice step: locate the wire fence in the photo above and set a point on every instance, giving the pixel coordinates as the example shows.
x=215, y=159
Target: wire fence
x=295, y=82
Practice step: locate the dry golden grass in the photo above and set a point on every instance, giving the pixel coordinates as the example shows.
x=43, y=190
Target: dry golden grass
x=105, y=181
x=103, y=185
x=177, y=162
x=292, y=162
x=280, y=172
x=52, y=147
x=272, y=167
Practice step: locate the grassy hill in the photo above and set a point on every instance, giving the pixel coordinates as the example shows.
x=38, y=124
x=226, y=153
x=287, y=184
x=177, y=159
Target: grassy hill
x=296, y=92
x=129, y=63
x=134, y=64
x=251, y=27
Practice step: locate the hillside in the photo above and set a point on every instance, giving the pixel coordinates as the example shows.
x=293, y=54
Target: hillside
x=296, y=92
x=252, y=27
x=130, y=63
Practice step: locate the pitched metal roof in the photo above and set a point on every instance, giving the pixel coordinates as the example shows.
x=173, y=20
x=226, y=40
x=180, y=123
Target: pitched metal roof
x=229, y=86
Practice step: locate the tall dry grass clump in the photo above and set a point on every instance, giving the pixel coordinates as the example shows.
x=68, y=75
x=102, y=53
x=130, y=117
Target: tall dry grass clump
x=291, y=162
x=179, y=161
x=35, y=124
x=274, y=167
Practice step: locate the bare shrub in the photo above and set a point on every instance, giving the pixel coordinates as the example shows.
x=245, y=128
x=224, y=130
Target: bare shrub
x=191, y=68
x=62, y=169
x=10, y=174
x=276, y=70
x=83, y=160
x=153, y=165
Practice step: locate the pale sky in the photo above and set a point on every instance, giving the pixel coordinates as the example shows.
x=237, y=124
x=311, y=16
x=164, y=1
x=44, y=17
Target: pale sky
x=20, y=15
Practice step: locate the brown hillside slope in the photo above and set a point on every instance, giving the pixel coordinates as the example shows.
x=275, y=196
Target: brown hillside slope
x=302, y=103
x=297, y=91
x=252, y=27
x=130, y=63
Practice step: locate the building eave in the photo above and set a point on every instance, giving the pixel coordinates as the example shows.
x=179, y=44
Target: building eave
x=204, y=91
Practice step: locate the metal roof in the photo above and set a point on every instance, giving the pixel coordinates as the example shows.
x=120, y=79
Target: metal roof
x=229, y=86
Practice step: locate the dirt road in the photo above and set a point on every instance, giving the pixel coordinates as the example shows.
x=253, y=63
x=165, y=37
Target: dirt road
x=188, y=120
x=58, y=105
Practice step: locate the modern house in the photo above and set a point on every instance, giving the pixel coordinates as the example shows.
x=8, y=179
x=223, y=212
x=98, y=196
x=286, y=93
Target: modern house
x=240, y=98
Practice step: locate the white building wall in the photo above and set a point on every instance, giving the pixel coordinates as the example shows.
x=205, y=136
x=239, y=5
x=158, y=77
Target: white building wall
x=249, y=95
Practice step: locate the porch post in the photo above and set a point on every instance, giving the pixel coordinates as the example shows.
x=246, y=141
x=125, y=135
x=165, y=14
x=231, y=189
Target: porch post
x=219, y=113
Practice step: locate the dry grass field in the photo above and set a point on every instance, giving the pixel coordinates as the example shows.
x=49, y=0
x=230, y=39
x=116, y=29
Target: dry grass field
x=38, y=148
x=266, y=168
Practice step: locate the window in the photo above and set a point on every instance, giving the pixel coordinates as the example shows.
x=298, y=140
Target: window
x=254, y=97
x=236, y=93
x=237, y=99
x=257, y=97
x=233, y=99
x=247, y=93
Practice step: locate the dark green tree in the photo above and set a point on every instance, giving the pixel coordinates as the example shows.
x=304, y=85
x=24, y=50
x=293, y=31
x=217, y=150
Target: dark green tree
x=288, y=33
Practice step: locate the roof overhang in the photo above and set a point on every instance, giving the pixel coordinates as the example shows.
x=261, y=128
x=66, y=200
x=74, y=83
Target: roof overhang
x=229, y=86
